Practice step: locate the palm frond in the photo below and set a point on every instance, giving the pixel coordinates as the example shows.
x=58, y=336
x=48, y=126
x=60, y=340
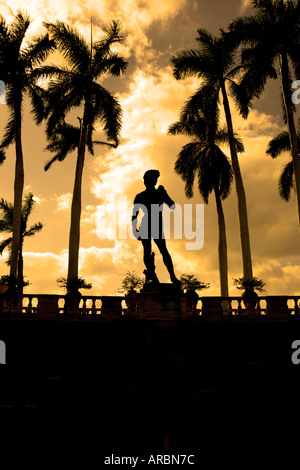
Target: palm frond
x=38, y=102
x=286, y=97
x=27, y=206
x=7, y=215
x=247, y=29
x=3, y=29
x=111, y=35
x=241, y=98
x=18, y=28
x=199, y=109
x=100, y=142
x=53, y=72
x=206, y=40
x=33, y=229
x=9, y=134
x=59, y=157
x=186, y=165
x=4, y=244
x=191, y=63
x=107, y=109
x=64, y=140
x=286, y=181
x=62, y=97
x=112, y=63
x=2, y=156
x=38, y=50
x=176, y=128
x=222, y=137
x=251, y=85
x=71, y=44
x=225, y=173
x=207, y=177
x=280, y=143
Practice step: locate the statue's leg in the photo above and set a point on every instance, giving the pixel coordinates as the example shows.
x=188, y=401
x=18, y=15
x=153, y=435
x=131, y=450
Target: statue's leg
x=161, y=244
x=149, y=262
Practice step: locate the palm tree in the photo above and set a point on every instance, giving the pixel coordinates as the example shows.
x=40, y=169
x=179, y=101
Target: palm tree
x=273, y=39
x=65, y=140
x=214, y=62
x=71, y=86
x=19, y=64
x=202, y=157
x=6, y=226
x=282, y=143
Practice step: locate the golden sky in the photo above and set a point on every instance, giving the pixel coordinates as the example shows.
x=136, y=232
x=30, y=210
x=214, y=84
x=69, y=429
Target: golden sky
x=151, y=100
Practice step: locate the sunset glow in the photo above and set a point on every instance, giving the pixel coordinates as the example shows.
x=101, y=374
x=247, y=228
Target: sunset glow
x=151, y=100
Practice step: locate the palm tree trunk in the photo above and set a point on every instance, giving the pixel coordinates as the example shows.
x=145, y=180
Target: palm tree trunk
x=74, y=236
x=284, y=69
x=241, y=196
x=222, y=249
x=20, y=269
x=18, y=195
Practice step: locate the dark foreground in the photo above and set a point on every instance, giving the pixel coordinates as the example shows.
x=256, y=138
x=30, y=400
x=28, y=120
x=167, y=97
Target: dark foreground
x=226, y=392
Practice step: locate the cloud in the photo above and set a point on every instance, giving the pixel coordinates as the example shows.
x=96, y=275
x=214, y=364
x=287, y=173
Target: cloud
x=135, y=16
x=244, y=5
x=149, y=107
x=64, y=202
x=151, y=100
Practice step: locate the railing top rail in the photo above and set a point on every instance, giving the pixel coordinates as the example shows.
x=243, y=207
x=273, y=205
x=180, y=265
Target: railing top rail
x=60, y=296
x=237, y=297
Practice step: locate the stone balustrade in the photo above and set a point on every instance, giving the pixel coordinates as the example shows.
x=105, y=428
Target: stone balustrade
x=165, y=302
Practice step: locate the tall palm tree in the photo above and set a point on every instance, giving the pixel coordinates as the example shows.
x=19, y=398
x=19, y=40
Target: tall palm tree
x=204, y=159
x=214, y=63
x=19, y=63
x=66, y=140
x=279, y=144
x=6, y=226
x=77, y=84
x=272, y=36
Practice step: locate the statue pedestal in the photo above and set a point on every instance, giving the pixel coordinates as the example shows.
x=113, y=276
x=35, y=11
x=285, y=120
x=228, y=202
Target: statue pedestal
x=162, y=301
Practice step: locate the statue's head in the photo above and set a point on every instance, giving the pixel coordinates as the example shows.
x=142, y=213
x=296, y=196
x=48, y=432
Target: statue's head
x=150, y=178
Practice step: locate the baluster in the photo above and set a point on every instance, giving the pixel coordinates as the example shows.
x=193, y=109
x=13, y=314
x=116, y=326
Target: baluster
x=83, y=309
x=258, y=307
x=226, y=306
x=200, y=308
x=239, y=309
x=20, y=304
x=94, y=311
x=29, y=306
x=296, y=306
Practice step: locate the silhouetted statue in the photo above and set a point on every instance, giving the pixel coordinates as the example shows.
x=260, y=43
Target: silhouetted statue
x=150, y=202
